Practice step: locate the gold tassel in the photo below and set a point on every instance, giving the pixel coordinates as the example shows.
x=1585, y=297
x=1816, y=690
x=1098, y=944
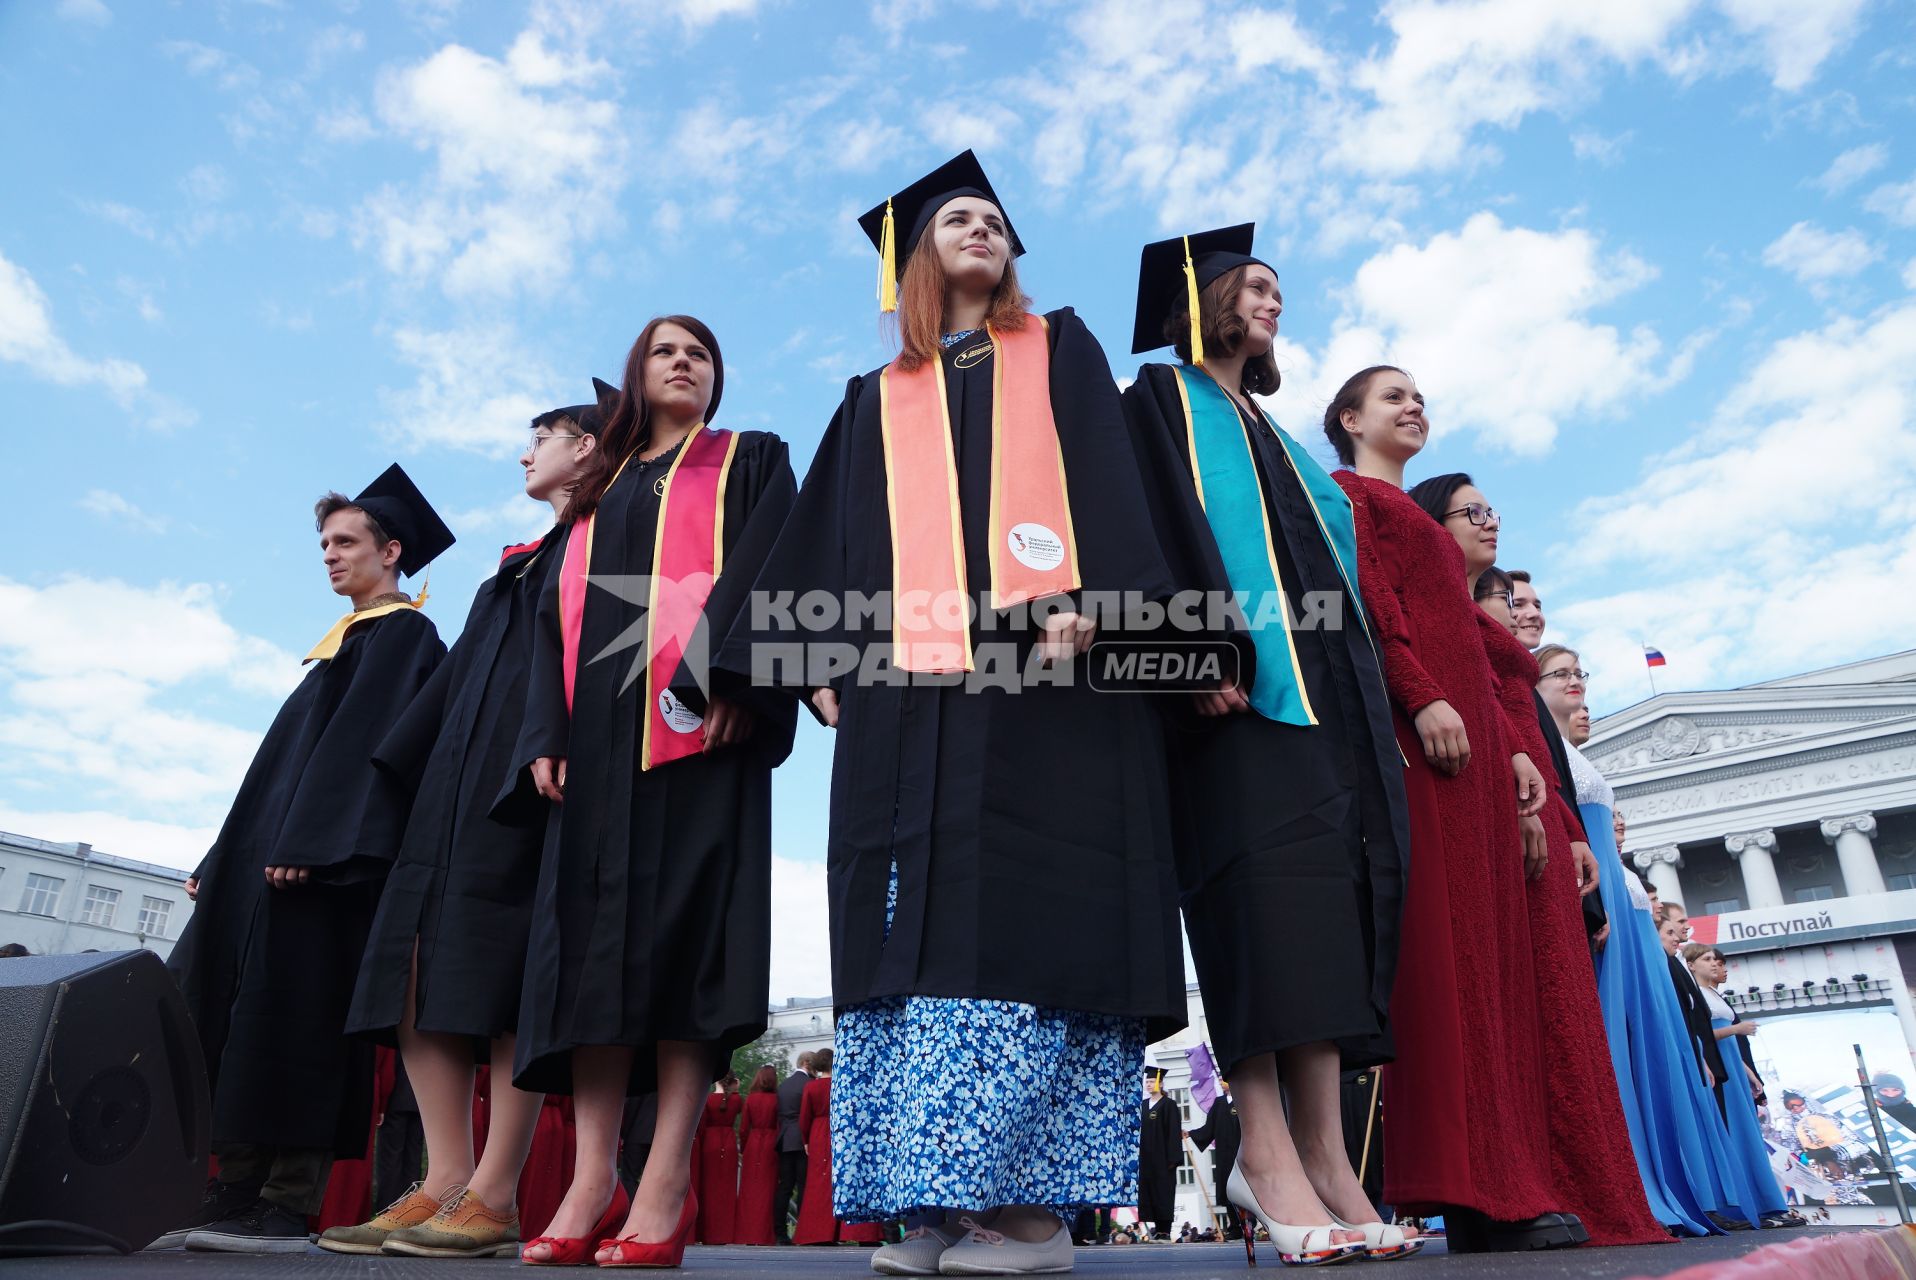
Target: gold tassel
x=1191, y=295
x=424, y=588
x=888, y=264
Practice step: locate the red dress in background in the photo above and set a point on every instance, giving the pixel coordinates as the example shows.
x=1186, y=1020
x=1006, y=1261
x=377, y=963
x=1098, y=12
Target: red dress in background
x=1592, y=1164
x=717, y=1176
x=816, y=1222
x=349, y=1188
x=1465, y=1100
x=758, y=1169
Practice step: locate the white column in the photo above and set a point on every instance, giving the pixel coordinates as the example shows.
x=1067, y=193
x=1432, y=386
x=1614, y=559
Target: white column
x=1660, y=865
x=1755, y=851
x=1856, y=852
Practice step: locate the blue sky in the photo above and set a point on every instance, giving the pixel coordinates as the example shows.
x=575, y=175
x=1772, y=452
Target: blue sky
x=1651, y=261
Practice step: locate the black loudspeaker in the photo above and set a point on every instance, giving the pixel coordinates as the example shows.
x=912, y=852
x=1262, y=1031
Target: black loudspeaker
x=104, y=1116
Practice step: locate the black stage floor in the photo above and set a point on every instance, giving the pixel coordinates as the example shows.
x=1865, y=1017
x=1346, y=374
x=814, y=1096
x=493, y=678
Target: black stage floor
x=1197, y=1261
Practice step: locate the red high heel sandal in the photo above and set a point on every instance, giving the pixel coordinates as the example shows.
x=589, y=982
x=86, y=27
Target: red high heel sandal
x=665, y=1253
x=576, y=1251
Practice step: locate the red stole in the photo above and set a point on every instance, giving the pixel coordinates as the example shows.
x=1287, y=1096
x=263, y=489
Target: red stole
x=688, y=551
x=1034, y=550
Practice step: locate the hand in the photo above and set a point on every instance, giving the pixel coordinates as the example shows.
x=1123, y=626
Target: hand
x=548, y=778
x=1536, y=847
x=1441, y=730
x=1586, y=867
x=1603, y=936
x=1066, y=635
x=1743, y=1029
x=726, y=722
x=1756, y=1085
x=1530, y=796
x=287, y=877
x=826, y=700
x=192, y=888
x=1226, y=699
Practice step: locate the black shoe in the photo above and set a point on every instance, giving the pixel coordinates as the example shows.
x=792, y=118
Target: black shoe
x=262, y=1227
x=222, y=1201
x=1545, y=1231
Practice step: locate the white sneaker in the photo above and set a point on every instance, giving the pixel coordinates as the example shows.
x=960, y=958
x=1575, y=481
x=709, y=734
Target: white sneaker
x=917, y=1254
x=984, y=1252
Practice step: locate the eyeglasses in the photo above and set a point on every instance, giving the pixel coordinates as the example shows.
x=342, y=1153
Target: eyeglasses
x=1507, y=597
x=1567, y=673
x=1480, y=514
x=538, y=439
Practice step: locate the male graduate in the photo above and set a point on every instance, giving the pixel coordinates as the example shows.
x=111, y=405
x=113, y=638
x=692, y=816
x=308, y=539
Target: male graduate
x=1160, y=1151
x=287, y=891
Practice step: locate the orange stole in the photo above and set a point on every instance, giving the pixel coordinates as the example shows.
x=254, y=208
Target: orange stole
x=1034, y=550
x=688, y=552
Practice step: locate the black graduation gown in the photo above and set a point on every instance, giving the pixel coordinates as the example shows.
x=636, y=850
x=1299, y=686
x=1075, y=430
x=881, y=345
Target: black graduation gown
x=652, y=919
x=268, y=973
x=1221, y=1126
x=1291, y=841
x=1160, y=1151
x=463, y=883
x=1030, y=826
x=1696, y=1018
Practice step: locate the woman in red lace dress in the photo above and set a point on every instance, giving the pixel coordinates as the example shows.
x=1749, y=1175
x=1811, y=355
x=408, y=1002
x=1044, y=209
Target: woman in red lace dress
x=758, y=1160
x=816, y=1223
x=1591, y=1162
x=1465, y=1133
x=718, y=1163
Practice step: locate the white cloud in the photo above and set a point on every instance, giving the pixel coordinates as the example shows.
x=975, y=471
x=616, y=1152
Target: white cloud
x=1588, y=144
x=476, y=389
x=89, y=668
x=1895, y=201
x=1851, y=167
x=92, y=12
x=1265, y=38
x=703, y=13
x=1795, y=37
x=801, y=929
x=111, y=506
x=28, y=338
x=166, y=843
x=1813, y=255
x=1487, y=318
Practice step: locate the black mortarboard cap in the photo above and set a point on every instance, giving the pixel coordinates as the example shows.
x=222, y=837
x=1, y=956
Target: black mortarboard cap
x=403, y=512
x=1155, y=1073
x=1162, y=283
x=589, y=417
x=913, y=209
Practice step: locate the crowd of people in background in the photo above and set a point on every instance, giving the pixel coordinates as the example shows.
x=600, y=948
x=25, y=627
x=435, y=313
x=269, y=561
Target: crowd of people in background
x=537, y=867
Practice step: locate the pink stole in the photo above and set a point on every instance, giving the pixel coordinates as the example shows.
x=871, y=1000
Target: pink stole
x=1034, y=550
x=688, y=551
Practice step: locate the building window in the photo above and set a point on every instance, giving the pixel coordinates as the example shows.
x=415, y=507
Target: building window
x=1814, y=893
x=100, y=906
x=153, y=913
x=41, y=896
x=1722, y=905
x=1902, y=881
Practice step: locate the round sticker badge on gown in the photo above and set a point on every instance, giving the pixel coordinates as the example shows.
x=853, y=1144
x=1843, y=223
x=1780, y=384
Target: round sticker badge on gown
x=679, y=718
x=1035, y=546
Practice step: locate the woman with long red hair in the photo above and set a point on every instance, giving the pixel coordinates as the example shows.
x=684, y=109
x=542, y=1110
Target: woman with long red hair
x=758, y=1160
x=1004, y=911
x=650, y=948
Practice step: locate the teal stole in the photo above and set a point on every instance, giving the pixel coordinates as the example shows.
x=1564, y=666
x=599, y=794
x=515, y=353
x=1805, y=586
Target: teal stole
x=1229, y=488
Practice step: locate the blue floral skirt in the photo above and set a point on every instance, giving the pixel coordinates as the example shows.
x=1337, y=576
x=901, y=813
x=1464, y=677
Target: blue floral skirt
x=970, y=1104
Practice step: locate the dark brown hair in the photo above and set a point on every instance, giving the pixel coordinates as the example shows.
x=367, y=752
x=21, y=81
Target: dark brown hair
x=1350, y=396
x=334, y=503
x=628, y=422
x=921, y=305
x=1491, y=582
x=1695, y=951
x=766, y=1080
x=822, y=1061
x=1223, y=329
x=1520, y=575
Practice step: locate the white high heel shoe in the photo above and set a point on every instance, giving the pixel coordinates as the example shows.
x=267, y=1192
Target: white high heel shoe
x=1383, y=1241
x=1296, y=1246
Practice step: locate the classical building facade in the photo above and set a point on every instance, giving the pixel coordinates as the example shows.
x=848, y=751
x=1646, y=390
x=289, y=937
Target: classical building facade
x=65, y=898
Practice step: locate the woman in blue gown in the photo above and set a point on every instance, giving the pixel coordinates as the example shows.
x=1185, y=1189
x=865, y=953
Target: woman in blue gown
x=1682, y=1147
x=1739, y=1103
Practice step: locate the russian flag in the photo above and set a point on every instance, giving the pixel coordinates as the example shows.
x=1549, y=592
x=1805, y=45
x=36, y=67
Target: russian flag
x=1652, y=657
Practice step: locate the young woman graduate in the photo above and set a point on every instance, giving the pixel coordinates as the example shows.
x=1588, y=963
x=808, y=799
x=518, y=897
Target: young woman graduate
x=1593, y=1168
x=1253, y=515
x=650, y=948
x=446, y=957
x=1004, y=913
x=286, y=894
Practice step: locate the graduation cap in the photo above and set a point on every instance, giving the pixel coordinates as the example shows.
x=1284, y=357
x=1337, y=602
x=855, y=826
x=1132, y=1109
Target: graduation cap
x=403, y=512
x=590, y=418
x=1155, y=1073
x=916, y=206
x=1186, y=265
